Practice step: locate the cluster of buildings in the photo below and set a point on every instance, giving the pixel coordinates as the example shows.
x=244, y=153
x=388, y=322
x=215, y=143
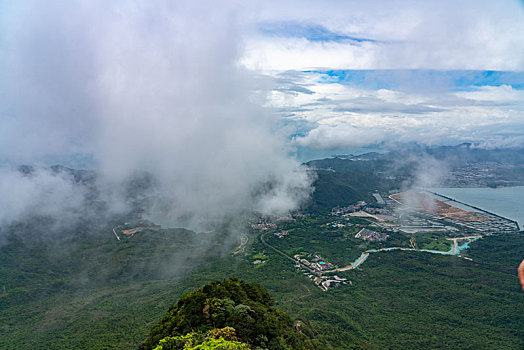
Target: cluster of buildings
x=486, y=174
x=337, y=224
x=349, y=209
x=288, y=218
x=381, y=211
x=281, y=234
x=264, y=223
x=413, y=221
x=315, y=262
x=325, y=282
x=432, y=212
x=492, y=224
x=362, y=210
x=372, y=236
x=264, y=226
x=335, y=281
x=319, y=265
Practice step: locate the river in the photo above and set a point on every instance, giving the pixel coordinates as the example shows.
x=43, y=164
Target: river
x=455, y=249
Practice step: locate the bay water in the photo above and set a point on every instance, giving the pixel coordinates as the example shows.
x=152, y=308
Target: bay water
x=504, y=201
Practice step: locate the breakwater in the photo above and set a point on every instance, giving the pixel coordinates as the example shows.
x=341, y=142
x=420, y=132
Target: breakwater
x=474, y=207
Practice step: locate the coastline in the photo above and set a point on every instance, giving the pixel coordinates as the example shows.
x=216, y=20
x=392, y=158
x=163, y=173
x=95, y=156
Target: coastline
x=503, y=205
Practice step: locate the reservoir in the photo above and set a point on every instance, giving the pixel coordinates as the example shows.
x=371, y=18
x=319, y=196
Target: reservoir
x=503, y=201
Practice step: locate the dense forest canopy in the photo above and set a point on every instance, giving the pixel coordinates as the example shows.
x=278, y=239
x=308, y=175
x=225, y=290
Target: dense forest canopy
x=246, y=308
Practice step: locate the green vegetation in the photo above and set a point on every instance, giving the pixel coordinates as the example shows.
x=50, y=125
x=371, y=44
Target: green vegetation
x=412, y=300
x=99, y=293
x=84, y=288
x=245, y=307
x=92, y=291
x=433, y=241
x=219, y=339
x=338, y=245
x=352, y=181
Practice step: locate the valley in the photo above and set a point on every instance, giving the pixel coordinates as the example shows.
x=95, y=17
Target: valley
x=367, y=265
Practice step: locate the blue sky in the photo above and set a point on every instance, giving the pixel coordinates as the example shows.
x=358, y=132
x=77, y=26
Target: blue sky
x=338, y=75
x=427, y=78
x=360, y=74
x=308, y=31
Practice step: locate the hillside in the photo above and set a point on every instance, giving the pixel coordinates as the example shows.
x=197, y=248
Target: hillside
x=344, y=180
x=90, y=290
x=100, y=293
x=246, y=308
x=80, y=286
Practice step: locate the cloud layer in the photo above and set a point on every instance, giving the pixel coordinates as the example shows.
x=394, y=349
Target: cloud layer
x=173, y=88
x=357, y=73
x=342, y=114
x=141, y=86
x=400, y=34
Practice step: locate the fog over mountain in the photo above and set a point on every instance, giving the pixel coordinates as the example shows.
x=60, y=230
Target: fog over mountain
x=176, y=89
x=137, y=86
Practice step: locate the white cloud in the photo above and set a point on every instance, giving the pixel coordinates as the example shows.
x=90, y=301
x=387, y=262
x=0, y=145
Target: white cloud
x=494, y=94
x=149, y=86
x=484, y=35
x=41, y=193
x=349, y=116
x=276, y=54
x=339, y=136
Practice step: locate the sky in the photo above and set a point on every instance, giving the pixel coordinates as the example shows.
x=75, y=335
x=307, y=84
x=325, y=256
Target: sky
x=338, y=74
x=218, y=99
x=129, y=87
x=353, y=74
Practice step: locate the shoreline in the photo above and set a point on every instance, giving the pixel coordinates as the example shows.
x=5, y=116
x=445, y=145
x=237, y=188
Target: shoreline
x=516, y=222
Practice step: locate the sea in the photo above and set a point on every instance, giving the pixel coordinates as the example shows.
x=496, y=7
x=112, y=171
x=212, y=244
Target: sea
x=504, y=201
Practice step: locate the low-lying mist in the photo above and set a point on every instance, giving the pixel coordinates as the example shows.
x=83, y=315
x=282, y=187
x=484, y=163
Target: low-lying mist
x=141, y=88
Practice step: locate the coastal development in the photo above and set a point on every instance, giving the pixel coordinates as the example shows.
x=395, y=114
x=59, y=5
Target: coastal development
x=416, y=221
x=447, y=211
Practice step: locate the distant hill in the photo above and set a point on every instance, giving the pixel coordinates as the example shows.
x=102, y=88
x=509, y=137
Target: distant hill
x=78, y=176
x=462, y=153
x=343, y=180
